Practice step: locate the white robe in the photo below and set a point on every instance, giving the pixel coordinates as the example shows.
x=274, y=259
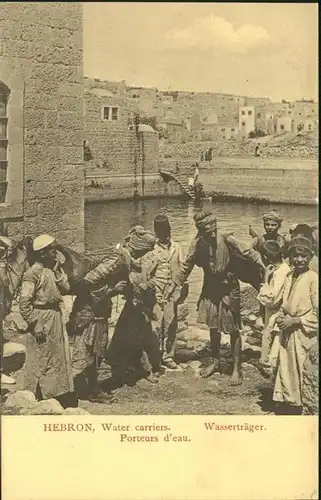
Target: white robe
x=270, y=296
x=300, y=300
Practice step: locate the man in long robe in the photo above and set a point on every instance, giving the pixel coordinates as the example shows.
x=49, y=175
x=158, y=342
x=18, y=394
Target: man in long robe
x=48, y=371
x=298, y=323
x=132, y=332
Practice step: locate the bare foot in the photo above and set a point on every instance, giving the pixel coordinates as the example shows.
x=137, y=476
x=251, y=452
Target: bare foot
x=211, y=369
x=237, y=378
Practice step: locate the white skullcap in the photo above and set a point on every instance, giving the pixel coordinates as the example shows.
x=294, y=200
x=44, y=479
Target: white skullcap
x=42, y=241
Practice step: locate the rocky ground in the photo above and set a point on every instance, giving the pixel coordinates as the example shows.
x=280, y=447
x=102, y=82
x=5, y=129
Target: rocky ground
x=180, y=391
x=303, y=145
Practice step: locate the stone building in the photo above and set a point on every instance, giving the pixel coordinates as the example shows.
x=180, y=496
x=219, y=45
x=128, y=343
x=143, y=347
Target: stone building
x=173, y=127
x=304, y=124
x=118, y=144
x=257, y=102
x=109, y=130
x=193, y=122
x=280, y=108
x=149, y=149
x=246, y=120
x=283, y=124
x=306, y=108
x=41, y=116
x=209, y=127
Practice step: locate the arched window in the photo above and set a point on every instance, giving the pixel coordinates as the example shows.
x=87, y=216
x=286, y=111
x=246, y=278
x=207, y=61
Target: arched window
x=4, y=95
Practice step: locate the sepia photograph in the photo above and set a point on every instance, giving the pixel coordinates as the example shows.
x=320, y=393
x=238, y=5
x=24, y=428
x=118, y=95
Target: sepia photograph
x=159, y=209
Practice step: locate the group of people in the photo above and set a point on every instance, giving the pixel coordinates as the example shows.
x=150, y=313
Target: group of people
x=151, y=273
x=207, y=155
x=289, y=301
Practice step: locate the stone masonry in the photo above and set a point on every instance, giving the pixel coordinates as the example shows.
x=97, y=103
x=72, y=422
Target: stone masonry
x=112, y=143
x=41, y=62
x=118, y=145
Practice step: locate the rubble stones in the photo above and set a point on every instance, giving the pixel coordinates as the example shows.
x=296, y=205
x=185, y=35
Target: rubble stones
x=194, y=367
x=75, y=411
x=25, y=403
x=11, y=348
x=6, y=380
x=20, y=399
x=300, y=146
x=13, y=357
x=310, y=382
x=45, y=407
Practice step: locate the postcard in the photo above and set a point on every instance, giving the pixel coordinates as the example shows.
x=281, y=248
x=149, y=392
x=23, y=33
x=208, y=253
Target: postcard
x=159, y=250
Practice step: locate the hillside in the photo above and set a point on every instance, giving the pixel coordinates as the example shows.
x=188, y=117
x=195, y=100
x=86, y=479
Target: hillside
x=304, y=145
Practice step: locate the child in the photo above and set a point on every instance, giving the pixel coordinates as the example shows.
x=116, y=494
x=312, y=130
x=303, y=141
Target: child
x=298, y=323
x=270, y=296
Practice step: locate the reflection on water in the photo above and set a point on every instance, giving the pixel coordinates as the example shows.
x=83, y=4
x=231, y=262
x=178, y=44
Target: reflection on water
x=107, y=223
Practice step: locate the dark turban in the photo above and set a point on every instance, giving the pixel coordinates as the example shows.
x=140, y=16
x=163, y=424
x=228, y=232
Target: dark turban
x=141, y=240
x=133, y=230
x=161, y=224
x=301, y=242
x=302, y=230
x=205, y=221
x=272, y=215
x=271, y=249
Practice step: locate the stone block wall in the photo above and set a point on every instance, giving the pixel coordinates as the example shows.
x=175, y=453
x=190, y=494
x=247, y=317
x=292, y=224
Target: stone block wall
x=124, y=187
x=112, y=143
x=275, y=180
x=42, y=64
x=150, y=152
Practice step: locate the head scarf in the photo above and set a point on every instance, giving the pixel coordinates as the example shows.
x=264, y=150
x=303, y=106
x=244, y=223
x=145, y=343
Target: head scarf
x=161, y=223
x=205, y=222
x=302, y=230
x=141, y=240
x=301, y=242
x=133, y=230
x=272, y=215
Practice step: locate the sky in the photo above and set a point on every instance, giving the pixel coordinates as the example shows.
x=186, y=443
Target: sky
x=262, y=50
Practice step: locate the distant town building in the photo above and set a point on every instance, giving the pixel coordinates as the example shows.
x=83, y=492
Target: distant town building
x=118, y=143
x=283, y=124
x=280, y=108
x=306, y=108
x=257, y=102
x=246, y=120
x=173, y=126
x=193, y=122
